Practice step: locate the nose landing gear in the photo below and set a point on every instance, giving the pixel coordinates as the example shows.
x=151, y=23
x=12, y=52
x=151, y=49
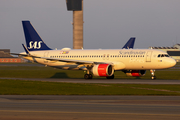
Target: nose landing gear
x=153, y=74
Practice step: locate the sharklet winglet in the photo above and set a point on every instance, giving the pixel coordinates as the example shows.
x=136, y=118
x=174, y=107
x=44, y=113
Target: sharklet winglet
x=26, y=50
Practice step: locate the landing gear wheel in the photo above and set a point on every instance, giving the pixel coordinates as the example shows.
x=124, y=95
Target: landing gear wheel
x=88, y=76
x=110, y=77
x=153, y=77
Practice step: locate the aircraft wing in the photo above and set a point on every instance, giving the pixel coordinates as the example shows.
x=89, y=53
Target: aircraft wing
x=72, y=61
x=25, y=55
x=60, y=60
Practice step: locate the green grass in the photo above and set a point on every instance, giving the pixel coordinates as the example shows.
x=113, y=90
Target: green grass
x=19, y=87
x=48, y=72
x=37, y=72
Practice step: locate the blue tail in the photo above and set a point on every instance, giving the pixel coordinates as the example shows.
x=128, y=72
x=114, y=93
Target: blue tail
x=130, y=43
x=33, y=40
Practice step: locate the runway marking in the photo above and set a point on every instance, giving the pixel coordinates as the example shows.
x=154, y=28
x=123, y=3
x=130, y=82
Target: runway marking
x=163, y=90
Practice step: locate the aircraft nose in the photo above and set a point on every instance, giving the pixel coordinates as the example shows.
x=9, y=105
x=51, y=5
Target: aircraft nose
x=172, y=63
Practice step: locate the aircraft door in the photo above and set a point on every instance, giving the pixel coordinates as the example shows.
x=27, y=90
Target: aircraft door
x=148, y=56
x=46, y=55
x=106, y=57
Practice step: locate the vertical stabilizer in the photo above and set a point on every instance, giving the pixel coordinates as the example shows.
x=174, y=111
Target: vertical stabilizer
x=130, y=43
x=33, y=40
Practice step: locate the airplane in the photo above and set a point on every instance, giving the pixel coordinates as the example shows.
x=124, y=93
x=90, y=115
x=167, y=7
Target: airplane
x=96, y=62
x=129, y=44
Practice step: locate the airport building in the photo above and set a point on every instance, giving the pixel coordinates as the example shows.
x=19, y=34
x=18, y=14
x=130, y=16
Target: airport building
x=5, y=57
x=174, y=51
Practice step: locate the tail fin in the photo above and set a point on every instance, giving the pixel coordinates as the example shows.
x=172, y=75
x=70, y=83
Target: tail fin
x=33, y=40
x=130, y=43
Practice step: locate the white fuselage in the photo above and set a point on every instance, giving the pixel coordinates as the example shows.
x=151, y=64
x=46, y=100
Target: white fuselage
x=121, y=59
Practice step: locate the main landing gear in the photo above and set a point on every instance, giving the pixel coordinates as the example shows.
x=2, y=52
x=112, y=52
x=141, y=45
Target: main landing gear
x=88, y=76
x=153, y=74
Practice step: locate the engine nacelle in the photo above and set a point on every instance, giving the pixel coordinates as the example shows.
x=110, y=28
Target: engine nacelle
x=103, y=70
x=135, y=73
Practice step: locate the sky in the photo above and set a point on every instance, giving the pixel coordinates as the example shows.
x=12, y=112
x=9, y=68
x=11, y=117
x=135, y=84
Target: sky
x=108, y=24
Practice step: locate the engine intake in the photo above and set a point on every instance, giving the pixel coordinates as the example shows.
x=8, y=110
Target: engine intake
x=135, y=73
x=103, y=70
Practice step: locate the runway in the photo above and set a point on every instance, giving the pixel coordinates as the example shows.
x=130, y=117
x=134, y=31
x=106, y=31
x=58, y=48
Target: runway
x=42, y=107
x=104, y=81
x=75, y=107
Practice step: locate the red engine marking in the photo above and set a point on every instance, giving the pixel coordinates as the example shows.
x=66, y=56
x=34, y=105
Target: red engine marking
x=102, y=69
x=135, y=73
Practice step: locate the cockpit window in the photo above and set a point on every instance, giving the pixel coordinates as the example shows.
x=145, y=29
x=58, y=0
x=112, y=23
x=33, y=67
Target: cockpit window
x=163, y=55
x=166, y=55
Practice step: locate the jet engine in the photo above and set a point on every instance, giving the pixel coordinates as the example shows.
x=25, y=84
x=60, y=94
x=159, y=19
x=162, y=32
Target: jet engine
x=135, y=73
x=102, y=70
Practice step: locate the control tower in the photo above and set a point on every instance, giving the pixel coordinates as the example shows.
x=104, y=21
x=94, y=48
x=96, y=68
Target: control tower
x=77, y=7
